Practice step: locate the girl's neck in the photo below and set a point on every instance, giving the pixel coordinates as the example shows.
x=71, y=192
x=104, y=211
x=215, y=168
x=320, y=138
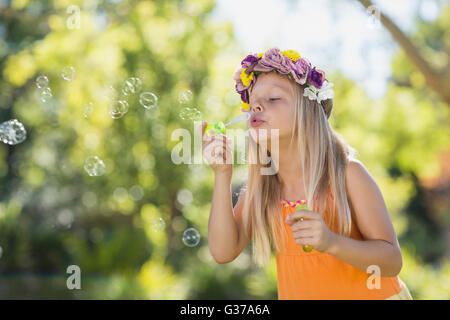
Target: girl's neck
x=290, y=170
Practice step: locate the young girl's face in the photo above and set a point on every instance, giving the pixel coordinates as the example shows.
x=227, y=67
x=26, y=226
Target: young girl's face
x=272, y=101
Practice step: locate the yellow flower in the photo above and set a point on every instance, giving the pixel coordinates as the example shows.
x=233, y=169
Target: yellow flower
x=260, y=54
x=291, y=54
x=245, y=106
x=246, y=78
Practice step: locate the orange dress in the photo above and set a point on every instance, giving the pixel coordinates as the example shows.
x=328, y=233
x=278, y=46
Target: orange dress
x=321, y=276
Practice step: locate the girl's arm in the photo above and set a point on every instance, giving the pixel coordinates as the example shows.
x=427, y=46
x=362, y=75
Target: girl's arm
x=225, y=223
x=380, y=245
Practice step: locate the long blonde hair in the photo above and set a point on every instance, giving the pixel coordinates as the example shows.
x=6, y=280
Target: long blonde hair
x=324, y=155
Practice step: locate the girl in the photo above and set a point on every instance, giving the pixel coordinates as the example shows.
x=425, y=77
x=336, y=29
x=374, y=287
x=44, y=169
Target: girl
x=355, y=252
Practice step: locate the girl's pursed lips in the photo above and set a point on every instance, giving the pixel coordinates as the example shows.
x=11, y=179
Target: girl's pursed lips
x=255, y=121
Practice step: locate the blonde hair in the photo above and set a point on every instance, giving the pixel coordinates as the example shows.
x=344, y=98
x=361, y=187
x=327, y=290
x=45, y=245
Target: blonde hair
x=324, y=155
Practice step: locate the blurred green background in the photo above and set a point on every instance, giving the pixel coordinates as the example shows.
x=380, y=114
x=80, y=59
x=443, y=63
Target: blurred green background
x=53, y=214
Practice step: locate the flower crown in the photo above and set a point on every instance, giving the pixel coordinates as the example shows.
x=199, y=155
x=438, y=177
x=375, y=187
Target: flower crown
x=285, y=62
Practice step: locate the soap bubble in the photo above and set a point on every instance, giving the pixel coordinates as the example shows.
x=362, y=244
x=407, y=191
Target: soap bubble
x=94, y=166
x=131, y=86
x=45, y=94
x=42, y=82
x=191, y=237
x=88, y=109
x=12, y=132
x=68, y=73
x=148, y=100
x=1, y=251
x=158, y=224
x=190, y=114
x=117, y=109
x=185, y=97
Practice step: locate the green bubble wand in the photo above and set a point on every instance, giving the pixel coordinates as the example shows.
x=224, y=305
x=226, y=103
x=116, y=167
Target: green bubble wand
x=299, y=207
x=219, y=127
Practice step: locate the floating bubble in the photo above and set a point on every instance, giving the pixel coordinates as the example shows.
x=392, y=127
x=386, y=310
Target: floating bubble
x=190, y=114
x=132, y=86
x=12, y=132
x=148, y=100
x=94, y=166
x=45, y=94
x=68, y=73
x=185, y=96
x=88, y=109
x=1, y=251
x=191, y=237
x=42, y=82
x=158, y=224
x=117, y=109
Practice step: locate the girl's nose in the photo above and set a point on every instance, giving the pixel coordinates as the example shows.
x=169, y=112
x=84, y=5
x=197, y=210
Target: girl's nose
x=256, y=108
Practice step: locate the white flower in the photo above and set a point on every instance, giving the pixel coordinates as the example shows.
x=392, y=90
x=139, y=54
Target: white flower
x=321, y=94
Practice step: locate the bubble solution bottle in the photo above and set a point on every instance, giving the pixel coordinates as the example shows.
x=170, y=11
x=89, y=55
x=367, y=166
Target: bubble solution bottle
x=219, y=127
x=299, y=207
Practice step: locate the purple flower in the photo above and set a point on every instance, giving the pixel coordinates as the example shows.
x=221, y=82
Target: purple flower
x=273, y=59
x=300, y=70
x=316, y=77
x=249, y=60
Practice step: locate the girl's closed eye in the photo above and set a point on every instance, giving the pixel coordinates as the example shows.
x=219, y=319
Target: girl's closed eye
x=274, y=99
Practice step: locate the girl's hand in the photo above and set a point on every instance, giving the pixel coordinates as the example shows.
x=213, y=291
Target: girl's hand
x=311, y=231
x=217, y=152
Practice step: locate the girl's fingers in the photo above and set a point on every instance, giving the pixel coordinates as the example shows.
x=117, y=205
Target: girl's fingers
x=305, y=214
x=219, y=137
x=202, y=129
x=305, y=241
x=215, y=150
x=301, y=225
x=303, y=234
x=215, y=139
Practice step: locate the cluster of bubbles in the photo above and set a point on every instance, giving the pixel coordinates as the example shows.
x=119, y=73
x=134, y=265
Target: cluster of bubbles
x=12, y=132
x=132, y=86
x=158, y=224
x=188, y=113
x=94, y=166
x=118, y=109
x=191, y=237
x=42, y=84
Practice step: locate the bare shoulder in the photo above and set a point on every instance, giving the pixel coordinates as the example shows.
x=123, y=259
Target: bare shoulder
x=356, y=174
x=370, y=210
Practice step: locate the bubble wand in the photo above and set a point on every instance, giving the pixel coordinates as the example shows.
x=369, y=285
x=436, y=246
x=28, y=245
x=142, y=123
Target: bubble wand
x=299, y=207
x=219, y=127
